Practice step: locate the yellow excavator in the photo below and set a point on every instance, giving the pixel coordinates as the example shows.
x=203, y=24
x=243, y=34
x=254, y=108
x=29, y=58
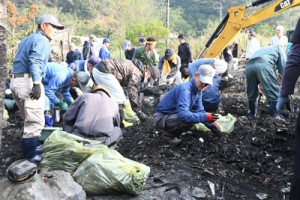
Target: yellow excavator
x=237, y=19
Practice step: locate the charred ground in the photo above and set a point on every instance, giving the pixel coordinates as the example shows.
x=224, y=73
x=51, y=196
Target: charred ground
x=252, y=162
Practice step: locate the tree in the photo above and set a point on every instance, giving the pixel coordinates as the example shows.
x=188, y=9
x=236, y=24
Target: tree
x=16, y=20
x=3, y=59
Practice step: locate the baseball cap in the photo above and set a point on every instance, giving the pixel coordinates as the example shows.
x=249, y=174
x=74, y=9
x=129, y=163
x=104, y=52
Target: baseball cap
x=72, y=66
x=106, y=40
x=82, y=79
x=93, y=60
x=168, y=54
x=206, y=73
x=50, y=19
x=142, y=39
x=126, y=43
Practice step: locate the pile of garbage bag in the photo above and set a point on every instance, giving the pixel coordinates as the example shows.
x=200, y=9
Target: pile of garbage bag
x=97, y=168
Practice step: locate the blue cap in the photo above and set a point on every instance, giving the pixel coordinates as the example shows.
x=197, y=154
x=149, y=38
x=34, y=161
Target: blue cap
x=106, y=40
x=126, y=44
x=142, y=39
x=93, y=60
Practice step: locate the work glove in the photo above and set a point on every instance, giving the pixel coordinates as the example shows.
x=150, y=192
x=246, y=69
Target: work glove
x=36, y=92
x=142, y=116
x=215, y=128
x=210, y=117
x=70, y=101
x=283, y=100
x=62, y=105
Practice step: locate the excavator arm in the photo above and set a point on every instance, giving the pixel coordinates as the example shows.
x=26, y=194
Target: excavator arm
x=237, y=20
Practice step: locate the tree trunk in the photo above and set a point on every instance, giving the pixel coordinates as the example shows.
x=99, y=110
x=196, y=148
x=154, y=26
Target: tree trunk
x=3, y=59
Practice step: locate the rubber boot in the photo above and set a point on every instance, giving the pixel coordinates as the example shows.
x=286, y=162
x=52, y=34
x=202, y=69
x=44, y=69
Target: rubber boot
x=272, y=108
x=29, y=147
x=252, y=108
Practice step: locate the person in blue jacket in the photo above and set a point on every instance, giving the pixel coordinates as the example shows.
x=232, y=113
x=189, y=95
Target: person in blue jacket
x=56, y=79
x=182, y=107
x=104, y=52
x=211, y=96
x=28, y=91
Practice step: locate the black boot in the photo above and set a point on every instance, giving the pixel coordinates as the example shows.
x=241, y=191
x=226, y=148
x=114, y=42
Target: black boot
x=252, y=108
x=272, y=108
x=29, y=149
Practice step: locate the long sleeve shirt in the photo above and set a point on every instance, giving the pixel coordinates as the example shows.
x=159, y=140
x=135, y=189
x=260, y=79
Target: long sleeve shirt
x=273, y=56
x=104, y=53
x=252, y=46
x=291, y=72
x=193, y=67
x=174, y=67
x=73, y=55
x=186, y=101
x=147, y=58
x=91, y=113
x=280, y=41
x=32, y=55
x=57, y=78
x=129, y=53
x=185, y=53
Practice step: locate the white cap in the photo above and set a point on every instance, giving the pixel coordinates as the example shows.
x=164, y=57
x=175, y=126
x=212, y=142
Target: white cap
x=206, y=74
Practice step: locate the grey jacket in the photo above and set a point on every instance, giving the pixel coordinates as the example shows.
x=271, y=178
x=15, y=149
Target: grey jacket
x=91, y=113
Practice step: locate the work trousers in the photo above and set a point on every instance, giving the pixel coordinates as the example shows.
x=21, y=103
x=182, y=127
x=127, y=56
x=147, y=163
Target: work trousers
x=261, y=73
x=32, y=111
x=295, y=190
x=106, y=138
x=170, y=123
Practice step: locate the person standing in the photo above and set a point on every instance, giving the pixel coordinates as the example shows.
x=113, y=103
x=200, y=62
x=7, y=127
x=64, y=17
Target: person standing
x=290, y=76
x=73, y=54
x=28, y=69
x=252, y=44
x=184, y=51
x=261, y=69
x=280, y=39
x=129, y=49
x=88, y=48
x=149, y=57
x=104, y=50
x=142, y=41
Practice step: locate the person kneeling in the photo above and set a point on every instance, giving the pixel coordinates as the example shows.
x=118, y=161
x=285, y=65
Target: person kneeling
x=182, y=107
x=94, y=116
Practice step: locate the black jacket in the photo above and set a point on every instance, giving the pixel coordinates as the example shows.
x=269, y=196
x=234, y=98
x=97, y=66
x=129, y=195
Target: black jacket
x=87, y=50
x=185, y=53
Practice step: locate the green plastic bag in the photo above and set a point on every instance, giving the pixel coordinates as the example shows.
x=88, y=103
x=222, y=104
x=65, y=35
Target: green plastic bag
x=225, y=122
x=109, y=172
x=65, y=151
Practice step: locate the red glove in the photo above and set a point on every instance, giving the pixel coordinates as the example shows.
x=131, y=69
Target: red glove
x=210, y=118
